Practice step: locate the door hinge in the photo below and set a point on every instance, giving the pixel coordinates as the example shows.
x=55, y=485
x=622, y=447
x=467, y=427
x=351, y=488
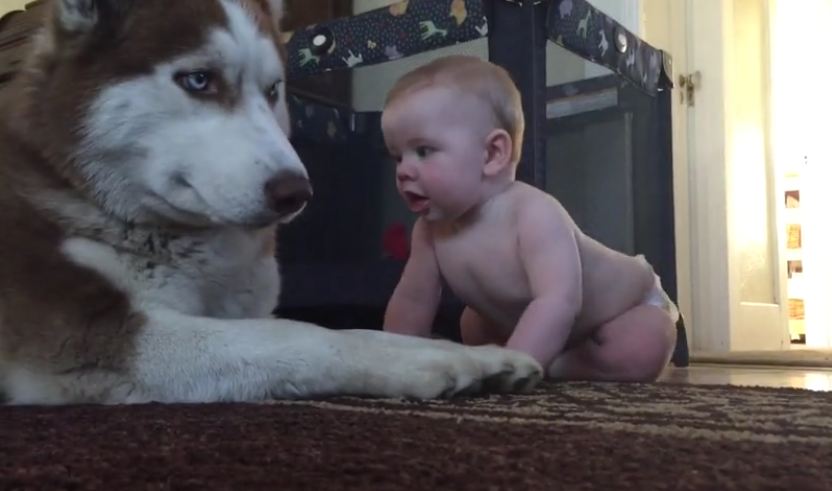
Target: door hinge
x=687, y=85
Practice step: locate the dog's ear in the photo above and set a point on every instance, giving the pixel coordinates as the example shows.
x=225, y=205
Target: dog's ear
x=83, y=16
x=274, y=9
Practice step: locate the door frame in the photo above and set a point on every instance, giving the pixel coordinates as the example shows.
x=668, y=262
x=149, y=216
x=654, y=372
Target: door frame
x=706, y=247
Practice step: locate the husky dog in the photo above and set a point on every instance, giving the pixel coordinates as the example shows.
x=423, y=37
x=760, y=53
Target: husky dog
x=144, y=167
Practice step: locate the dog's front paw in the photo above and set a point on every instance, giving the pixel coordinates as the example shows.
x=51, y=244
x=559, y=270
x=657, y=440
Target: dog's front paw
x=472, y=370
x=511, y=371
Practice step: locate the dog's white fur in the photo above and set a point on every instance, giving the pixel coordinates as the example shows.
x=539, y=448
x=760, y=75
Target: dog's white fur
x=193, y=161
x=151, y=156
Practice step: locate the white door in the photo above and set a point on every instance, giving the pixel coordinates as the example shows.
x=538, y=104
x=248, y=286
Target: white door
x=801, y=143
x=727, y=214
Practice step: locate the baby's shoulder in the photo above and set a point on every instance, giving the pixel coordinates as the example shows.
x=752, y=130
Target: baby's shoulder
x=526, y=195
x=534, y=205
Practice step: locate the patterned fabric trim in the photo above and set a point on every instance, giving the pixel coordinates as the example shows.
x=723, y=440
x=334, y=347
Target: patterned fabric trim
x=410, y=27
x=400, y=30
x=586, y=31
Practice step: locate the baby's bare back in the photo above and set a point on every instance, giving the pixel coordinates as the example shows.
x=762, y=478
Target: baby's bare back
x=483, y=266
x=612, y=282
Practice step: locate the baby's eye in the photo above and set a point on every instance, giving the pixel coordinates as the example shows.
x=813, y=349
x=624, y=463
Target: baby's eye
x=395, y=158
x=423, y=151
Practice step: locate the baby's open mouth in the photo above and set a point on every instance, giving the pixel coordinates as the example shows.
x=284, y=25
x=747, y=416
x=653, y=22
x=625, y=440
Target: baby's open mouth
x=416, y=202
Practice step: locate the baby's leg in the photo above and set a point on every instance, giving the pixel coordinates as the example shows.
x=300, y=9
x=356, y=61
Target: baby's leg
x=476, y=330
x=636, y=346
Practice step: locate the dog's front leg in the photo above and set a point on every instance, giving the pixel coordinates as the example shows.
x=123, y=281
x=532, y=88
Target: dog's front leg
x=179, y=358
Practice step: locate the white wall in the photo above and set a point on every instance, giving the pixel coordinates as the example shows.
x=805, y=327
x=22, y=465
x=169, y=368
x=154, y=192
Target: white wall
x=370, y=84
x=800, y=120
x=9, y=5
x=655, y=23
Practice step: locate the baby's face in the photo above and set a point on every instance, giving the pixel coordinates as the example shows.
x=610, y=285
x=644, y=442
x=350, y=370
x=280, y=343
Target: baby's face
x=437, y=138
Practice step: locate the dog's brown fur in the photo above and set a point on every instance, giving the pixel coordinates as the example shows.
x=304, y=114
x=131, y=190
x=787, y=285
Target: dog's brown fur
x=73, y=328
x=54, y=312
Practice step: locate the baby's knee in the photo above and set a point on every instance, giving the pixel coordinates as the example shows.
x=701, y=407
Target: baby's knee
x=646, y=370
x=476, y=331
x=654, y=357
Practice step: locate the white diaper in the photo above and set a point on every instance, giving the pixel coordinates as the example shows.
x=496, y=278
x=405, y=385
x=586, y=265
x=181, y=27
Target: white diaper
x=659, y=298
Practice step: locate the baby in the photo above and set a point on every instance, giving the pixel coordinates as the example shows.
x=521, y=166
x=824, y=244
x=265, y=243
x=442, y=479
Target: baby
x=530, y=279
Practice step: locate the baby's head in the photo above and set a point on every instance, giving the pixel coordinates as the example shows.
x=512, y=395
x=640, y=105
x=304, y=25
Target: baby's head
x=455, y=128
x=490, y=85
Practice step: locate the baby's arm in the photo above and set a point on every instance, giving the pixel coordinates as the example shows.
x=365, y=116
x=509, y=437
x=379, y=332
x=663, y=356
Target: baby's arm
x=550, y=256
x=412, y=307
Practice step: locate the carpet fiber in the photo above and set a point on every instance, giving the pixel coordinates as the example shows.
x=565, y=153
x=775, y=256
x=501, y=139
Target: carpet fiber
x=563, y=436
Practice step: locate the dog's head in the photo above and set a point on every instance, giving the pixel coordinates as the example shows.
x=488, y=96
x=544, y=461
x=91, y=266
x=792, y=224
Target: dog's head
x=169, y=110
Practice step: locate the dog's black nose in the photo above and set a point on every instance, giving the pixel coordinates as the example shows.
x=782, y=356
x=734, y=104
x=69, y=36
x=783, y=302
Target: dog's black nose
x=288, y=192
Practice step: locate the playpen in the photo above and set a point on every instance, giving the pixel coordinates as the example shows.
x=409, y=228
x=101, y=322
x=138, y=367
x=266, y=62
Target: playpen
x=601, y=145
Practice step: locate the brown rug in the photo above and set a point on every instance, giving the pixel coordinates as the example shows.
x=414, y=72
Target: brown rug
x=564, y=436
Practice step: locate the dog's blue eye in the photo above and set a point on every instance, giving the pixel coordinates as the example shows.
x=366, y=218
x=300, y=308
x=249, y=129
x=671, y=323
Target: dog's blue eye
x=195, y=81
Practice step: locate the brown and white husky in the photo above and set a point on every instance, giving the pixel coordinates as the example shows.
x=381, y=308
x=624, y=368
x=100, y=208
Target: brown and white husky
x=144, y=166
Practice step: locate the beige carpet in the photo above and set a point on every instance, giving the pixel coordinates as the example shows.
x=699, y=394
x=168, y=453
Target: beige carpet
x=794, y=358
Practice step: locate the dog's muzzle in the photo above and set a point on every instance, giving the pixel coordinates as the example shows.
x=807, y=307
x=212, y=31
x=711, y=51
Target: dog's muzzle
x=288, y=193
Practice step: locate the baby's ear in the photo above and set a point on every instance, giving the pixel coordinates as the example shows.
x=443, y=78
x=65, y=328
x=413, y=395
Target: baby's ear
x=498, y=152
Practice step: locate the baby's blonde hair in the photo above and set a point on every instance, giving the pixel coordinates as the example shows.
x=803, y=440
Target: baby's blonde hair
x=489, y=82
